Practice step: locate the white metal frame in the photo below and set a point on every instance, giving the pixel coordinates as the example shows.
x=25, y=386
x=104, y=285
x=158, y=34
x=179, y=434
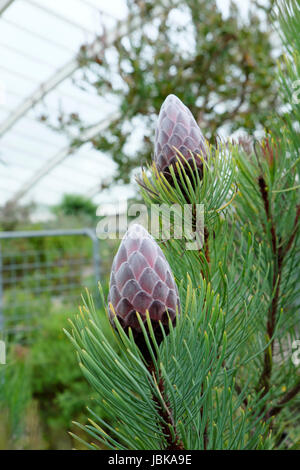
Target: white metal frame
x=4, y=4
x=59, y=158
x=51, y=83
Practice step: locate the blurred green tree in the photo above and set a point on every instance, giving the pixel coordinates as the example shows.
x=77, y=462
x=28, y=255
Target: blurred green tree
x=76, y=205
x=221, y=68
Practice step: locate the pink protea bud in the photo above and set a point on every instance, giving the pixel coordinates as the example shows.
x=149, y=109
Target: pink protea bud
x=141, y=280
x=177, y=128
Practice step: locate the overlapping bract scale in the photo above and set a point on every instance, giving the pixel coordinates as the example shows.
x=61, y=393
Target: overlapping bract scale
x=176, y=127
x=141, y=280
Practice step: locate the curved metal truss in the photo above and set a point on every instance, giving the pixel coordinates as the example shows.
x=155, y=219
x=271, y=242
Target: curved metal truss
x=4, y=4
x=23, y=109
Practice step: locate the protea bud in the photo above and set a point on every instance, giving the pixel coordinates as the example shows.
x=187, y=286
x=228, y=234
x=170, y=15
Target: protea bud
x=141, y=280
x=177, y=130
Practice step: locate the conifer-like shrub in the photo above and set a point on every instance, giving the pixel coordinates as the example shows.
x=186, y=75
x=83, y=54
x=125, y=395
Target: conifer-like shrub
x=224, y=375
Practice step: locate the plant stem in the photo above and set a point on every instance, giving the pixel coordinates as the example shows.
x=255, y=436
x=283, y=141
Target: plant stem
x=278, y=256
x=165, y=412
x=271, y=320
x=285, y=399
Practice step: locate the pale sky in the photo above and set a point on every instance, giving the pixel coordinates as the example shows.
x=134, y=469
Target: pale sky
x=37, y=37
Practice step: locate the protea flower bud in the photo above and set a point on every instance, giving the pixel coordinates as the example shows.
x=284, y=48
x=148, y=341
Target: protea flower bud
x=177, y=128
x=141, y=280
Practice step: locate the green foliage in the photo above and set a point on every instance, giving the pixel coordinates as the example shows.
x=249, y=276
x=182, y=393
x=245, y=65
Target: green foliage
x=42, y=389
x=54, y=375
x=222, y=69
x=36, y=273
x=23, y=313
x=15, y=395
x=76, y=205
x=224, y=377
x=57, y=382
x=206, y=412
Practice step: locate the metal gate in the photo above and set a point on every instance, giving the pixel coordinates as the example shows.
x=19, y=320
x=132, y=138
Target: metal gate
x=42, y=270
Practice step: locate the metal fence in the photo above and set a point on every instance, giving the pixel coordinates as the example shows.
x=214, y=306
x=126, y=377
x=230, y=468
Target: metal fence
x=42, y=271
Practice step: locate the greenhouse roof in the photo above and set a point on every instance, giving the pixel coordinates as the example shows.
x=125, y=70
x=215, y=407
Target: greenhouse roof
x=40, y=42
x=39, y=45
